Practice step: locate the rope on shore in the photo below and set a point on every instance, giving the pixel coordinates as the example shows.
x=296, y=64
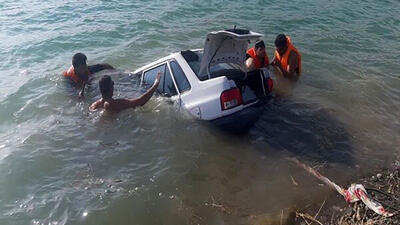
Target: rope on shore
x=354, y=193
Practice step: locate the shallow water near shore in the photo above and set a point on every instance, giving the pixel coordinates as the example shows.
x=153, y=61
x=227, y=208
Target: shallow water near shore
x=61, y=164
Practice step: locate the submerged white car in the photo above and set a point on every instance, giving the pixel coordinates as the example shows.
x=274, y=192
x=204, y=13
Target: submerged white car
x=212, y=84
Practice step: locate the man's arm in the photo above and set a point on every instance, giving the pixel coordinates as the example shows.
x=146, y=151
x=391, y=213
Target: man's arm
x=83, y=89
x=99, y=67
x=147, y=95
x=274, y=60
x=84, y=79
x=293, y=64
x=250, y=64
x=291, y=67
x=278, y=65
x=121, y=104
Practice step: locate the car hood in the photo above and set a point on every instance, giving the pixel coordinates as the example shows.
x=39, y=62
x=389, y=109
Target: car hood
x=227, y=46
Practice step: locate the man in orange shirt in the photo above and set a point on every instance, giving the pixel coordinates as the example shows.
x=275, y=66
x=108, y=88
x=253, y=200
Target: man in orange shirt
x=79, y=72
x=287, y=58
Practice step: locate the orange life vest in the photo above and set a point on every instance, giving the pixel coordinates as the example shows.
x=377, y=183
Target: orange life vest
x=284, y=59
x=70, y=73
x=258, y=64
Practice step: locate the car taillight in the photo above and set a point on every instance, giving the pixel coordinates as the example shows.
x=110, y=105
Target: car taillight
x=230, y=98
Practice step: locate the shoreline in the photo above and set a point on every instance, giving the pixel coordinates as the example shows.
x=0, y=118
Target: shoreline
x=382, y=185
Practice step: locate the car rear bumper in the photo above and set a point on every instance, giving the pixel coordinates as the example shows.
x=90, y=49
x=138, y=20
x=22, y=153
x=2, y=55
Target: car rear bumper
x=240, y=121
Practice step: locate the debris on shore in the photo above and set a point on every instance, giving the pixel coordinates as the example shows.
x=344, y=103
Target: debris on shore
x=383, y=187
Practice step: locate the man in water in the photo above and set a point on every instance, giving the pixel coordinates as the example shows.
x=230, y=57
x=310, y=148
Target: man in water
x=79, y=72
x=287, y=58
x=257, y=57
x=116, y=105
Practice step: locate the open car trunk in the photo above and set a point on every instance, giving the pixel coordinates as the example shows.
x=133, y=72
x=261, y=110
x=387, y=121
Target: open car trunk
x=226, y=46
x=224, y=54
x=251, y=87
x=249, y=84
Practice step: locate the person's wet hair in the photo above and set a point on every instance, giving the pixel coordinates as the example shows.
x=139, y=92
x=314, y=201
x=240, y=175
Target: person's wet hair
x=280, y=41
x=79, y=59
x=106, y=85
x=259, y=44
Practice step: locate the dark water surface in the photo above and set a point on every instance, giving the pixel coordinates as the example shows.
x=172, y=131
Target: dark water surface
x=61, y=164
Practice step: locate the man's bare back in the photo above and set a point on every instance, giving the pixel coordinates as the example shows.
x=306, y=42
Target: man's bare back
x=117, y=105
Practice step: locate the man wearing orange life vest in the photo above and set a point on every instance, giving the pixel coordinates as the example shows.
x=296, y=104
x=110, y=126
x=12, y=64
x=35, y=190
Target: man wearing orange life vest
x=257, y=56
x=287, y=58
x=79, y=72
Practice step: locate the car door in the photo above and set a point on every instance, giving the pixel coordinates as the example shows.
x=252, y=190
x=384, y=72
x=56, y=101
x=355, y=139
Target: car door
x=167, y=86
x=179, y=76
x=180, y=80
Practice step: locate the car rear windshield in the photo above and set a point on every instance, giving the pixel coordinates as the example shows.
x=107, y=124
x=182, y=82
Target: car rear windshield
x=193, y=58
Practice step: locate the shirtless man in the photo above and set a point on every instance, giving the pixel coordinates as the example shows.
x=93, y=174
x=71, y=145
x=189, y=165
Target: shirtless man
x=117, y=105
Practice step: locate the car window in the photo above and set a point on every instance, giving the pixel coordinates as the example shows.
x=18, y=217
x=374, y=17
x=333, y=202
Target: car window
x=169, y=87
x=193, y=59
x=160, y=88
x=150, y=76
x=180, y=77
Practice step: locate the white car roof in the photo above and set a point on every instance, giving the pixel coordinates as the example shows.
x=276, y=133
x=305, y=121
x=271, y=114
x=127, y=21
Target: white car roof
x=166, y=58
